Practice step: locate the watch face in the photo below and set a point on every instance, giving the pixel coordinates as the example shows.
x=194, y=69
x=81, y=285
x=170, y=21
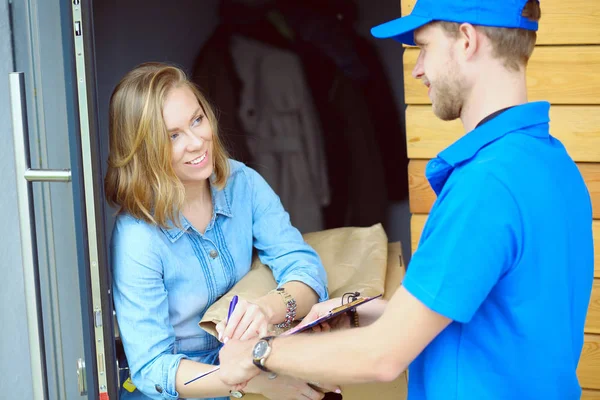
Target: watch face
x=236, y=394
x=260, y=349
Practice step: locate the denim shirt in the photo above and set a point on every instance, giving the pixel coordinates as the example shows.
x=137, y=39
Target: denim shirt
x=164, y=280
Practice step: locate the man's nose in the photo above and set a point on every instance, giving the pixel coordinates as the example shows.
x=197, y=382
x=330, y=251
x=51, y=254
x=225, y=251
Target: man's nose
x=418, y=71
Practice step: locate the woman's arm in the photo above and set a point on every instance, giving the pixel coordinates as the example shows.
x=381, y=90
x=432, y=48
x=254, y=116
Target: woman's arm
x=275, y=308
x=253, y=319
x=296, y=266
x=208, y=386
x=283, y=387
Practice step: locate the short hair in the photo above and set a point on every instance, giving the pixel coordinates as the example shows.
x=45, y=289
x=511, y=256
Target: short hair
x=512, y=45
x=140, y=179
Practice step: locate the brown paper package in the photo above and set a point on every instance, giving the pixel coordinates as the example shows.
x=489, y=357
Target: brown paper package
x=356, y=259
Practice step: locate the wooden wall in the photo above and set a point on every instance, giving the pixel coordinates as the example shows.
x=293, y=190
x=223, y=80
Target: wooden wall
x=565, y=70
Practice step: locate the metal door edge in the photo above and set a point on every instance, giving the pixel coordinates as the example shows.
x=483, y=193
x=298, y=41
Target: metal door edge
x=89, y=195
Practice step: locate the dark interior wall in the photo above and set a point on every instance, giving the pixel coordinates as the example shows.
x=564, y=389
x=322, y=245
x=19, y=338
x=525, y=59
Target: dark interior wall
x=373, y=13
x=128, y=33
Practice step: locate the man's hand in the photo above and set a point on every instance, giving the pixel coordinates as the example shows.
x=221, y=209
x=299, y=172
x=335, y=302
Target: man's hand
x=237, y=367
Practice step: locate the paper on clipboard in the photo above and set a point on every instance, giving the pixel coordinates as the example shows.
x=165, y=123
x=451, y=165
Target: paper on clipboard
x=298, y=329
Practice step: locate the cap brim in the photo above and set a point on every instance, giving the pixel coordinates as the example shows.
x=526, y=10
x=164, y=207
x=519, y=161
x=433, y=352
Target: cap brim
x=401, y=29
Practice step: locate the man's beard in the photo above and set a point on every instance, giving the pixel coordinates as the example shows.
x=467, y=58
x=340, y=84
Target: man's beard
x=449, y=92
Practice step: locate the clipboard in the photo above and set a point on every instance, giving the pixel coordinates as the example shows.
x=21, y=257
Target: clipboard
x=332, y=314
x=298, y=329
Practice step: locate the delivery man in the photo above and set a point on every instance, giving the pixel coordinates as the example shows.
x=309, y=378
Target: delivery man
x=494, y=301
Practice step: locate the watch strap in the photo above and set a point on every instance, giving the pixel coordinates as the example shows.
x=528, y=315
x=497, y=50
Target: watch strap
x=260, y=361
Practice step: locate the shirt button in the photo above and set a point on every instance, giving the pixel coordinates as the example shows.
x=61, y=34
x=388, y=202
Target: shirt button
x=213, y=254
x=158, y=388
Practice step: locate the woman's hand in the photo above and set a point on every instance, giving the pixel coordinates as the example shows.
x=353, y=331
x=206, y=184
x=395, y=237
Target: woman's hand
x=320, y=309
x=287, y=388
x=247, y=321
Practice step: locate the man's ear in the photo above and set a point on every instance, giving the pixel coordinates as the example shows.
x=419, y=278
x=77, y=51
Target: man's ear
x=468, y=39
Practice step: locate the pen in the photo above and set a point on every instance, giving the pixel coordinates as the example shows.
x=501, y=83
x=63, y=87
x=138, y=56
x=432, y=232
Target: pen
x=210, y=371
x=232, y=305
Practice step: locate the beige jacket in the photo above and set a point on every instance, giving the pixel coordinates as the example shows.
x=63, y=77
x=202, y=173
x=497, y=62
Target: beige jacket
x=285, y=138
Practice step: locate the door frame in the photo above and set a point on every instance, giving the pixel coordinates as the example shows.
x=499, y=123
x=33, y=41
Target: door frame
x=89, y=211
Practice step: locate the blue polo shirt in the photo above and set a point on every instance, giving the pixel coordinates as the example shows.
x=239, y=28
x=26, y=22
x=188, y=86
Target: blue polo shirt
x=507, y=254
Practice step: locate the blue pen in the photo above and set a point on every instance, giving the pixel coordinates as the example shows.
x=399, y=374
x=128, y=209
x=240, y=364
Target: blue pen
x=232, y=305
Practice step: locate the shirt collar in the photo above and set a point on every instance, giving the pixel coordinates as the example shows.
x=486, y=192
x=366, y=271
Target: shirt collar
x=517, y=118
x=220, y=206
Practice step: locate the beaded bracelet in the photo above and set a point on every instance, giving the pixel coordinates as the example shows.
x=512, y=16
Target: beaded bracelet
x=290, y=305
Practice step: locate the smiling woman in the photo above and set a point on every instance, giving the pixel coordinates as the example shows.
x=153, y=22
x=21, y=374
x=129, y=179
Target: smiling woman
x=189, y=219
x=191, y=135
x=151, y=104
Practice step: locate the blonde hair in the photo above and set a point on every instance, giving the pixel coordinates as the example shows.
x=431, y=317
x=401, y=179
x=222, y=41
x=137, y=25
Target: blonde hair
x=513, y=46
x=140, y=179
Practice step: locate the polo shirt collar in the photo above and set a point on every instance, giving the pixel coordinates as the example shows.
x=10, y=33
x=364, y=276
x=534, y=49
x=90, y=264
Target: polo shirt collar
x=517, y=118
x=220, y=205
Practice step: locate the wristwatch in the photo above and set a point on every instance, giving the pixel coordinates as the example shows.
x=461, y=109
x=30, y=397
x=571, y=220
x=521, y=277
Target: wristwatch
x=237, y=394
x=261, y=351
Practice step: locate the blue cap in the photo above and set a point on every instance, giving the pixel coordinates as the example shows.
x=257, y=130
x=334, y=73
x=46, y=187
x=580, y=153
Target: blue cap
x=494, y=13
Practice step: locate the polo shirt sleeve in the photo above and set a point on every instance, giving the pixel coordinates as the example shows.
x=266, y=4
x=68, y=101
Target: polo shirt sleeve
x=471, y=239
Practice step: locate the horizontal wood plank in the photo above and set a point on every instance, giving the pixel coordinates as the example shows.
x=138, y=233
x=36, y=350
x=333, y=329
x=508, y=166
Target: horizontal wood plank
x=563, y=22
x=590, y=394
x=565, y=75
x=588, y=370
x=422, y=196
x=577, y=127
x=592, y=325
x=417, y=222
